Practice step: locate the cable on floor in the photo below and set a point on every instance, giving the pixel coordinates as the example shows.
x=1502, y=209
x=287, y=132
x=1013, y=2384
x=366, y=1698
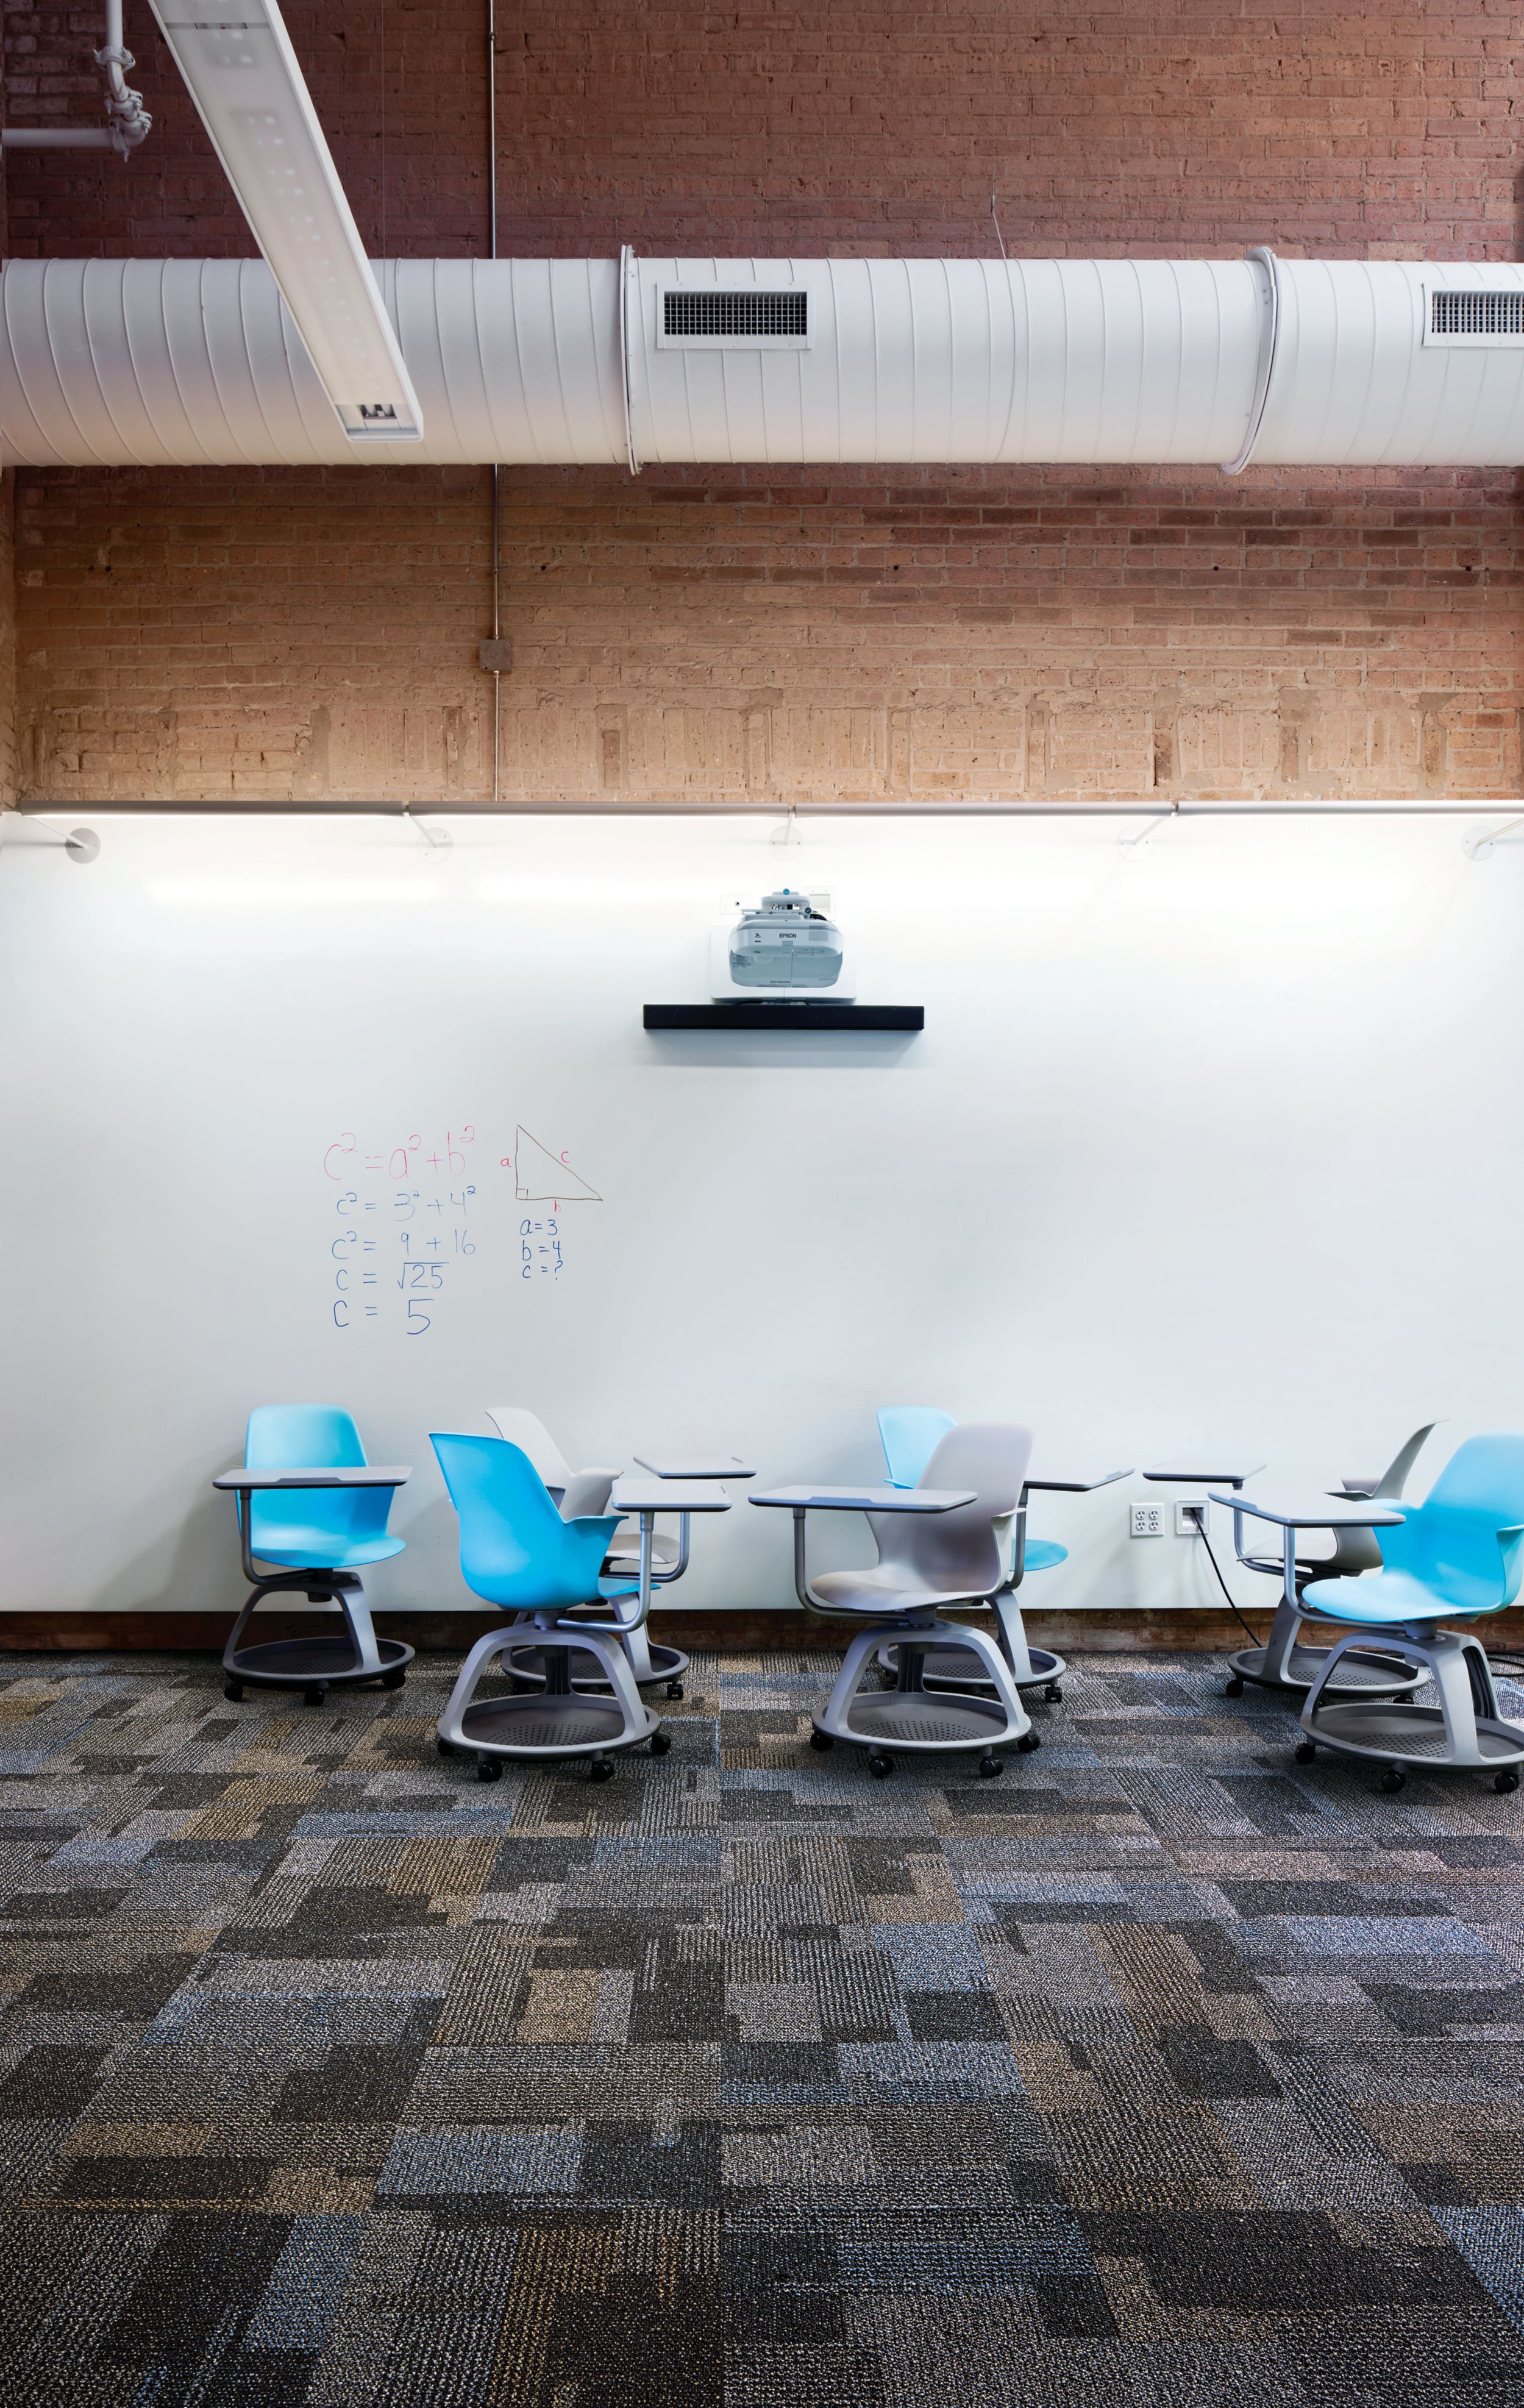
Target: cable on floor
x=1199, y=1518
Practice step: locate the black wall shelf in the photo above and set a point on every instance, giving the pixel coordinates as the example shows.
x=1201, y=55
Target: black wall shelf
x=904, y=1016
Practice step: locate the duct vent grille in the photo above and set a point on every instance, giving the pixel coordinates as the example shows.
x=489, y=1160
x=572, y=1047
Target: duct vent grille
x=1479, y=317
x=735, y=320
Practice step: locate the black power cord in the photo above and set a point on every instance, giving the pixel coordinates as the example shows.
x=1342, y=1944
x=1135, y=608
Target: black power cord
x=1512, y=1667
x=1198, y=1515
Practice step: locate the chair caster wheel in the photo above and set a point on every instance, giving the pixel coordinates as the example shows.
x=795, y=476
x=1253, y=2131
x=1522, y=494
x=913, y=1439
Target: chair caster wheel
x=1505, y=1781
x=1054, y=1694
x=990, y=1768
x=1028, y=1740
x=674, y=1690
x=600, y=1769
x=312, y=1697
x=393, y=1679
x=1305, y=1752
x=822, y=1742
x=1394, y=1778
x=446, y=1747
x=488, y=1768
x=1235, y=1686
x=232, y=1689
x=880, y=1766
x=660, y=1743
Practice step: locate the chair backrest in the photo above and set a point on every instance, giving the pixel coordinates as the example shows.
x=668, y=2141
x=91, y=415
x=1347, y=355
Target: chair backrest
x=525, y=1429
x=911, y=1435
x=516, y=1550
x=586, y=1491
x=1451, y=1542
x=1359, y=1551
x=281, y=1437
x=962, y=1550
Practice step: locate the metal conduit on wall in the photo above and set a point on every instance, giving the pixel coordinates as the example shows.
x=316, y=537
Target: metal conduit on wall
x=1230, y=363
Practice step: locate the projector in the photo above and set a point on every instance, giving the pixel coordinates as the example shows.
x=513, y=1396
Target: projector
x=784, y=950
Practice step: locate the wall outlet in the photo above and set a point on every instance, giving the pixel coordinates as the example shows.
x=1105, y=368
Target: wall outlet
x=1190, y=1514
x=1146, y=1521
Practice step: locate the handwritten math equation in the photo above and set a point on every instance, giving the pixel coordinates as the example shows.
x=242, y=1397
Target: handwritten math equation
x=408, y=1221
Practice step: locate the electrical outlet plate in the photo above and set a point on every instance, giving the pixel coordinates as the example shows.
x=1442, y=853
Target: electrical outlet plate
x=1146, y=1521
x=1190, y=1514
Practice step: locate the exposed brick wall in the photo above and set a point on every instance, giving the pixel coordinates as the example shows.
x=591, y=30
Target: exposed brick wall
x=7, y=580
x=861, y=635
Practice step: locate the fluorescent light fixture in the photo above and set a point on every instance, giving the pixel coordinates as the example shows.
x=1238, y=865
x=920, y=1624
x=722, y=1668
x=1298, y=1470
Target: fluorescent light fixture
x=244, y=78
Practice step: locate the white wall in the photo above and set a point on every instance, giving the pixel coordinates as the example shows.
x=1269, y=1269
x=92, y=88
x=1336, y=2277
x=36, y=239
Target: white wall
x=1217, y=1143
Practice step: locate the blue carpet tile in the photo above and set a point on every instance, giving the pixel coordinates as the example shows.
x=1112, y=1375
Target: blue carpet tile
x=1162, y=2073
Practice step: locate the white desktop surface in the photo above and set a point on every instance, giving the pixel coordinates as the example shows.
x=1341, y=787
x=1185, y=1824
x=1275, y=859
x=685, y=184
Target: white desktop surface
x=693, y=1463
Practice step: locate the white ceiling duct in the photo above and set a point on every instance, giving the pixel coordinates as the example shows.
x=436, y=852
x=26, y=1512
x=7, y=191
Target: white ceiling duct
x=1196, y=363
x=245, y=79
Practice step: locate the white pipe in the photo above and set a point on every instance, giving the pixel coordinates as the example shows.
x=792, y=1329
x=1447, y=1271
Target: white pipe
x=1196, y=363
x=129, y=121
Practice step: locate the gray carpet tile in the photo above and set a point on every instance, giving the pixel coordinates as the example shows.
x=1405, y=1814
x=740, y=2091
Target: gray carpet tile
x=1162, y=2070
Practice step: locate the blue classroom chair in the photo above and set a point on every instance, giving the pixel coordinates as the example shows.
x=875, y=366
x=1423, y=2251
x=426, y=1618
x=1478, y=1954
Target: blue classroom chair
x=518, y=1553
x=323, y=1537
x=1457, y=1555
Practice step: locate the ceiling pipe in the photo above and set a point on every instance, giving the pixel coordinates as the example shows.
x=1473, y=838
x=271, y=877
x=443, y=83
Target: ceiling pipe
x=130, y=122
x=598, y=362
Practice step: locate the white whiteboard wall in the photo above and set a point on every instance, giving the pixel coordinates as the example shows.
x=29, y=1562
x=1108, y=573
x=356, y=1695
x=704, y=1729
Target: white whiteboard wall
x=1216, y=1142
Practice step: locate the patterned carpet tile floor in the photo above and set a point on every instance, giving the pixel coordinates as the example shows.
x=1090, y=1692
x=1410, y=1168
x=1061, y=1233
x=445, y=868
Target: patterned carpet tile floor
x=1161, y=2070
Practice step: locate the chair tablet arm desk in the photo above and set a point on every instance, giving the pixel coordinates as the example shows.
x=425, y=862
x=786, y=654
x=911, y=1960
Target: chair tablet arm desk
x=1283, y=1663
x=885, y=1500
x=683, y=1470
x=318, y=1664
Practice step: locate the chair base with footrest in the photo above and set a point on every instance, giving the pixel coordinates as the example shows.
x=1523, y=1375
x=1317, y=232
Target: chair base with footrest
x=913, y=1720
x=318, y=1663
x=555, y=1723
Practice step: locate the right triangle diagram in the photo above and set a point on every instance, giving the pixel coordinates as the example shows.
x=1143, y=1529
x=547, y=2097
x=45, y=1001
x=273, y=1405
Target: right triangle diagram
x=540, y=1177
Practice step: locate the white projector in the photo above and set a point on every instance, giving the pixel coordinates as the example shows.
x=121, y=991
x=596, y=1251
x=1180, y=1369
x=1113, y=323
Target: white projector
x=784, y=950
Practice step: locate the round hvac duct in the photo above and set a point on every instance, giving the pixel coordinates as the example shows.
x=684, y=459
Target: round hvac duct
x=1195, y=363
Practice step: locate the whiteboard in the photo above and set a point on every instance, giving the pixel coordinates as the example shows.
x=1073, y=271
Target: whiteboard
x=1209, y=1142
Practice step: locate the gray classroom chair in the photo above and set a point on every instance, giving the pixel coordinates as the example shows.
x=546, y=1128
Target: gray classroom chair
x=926, y=1563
